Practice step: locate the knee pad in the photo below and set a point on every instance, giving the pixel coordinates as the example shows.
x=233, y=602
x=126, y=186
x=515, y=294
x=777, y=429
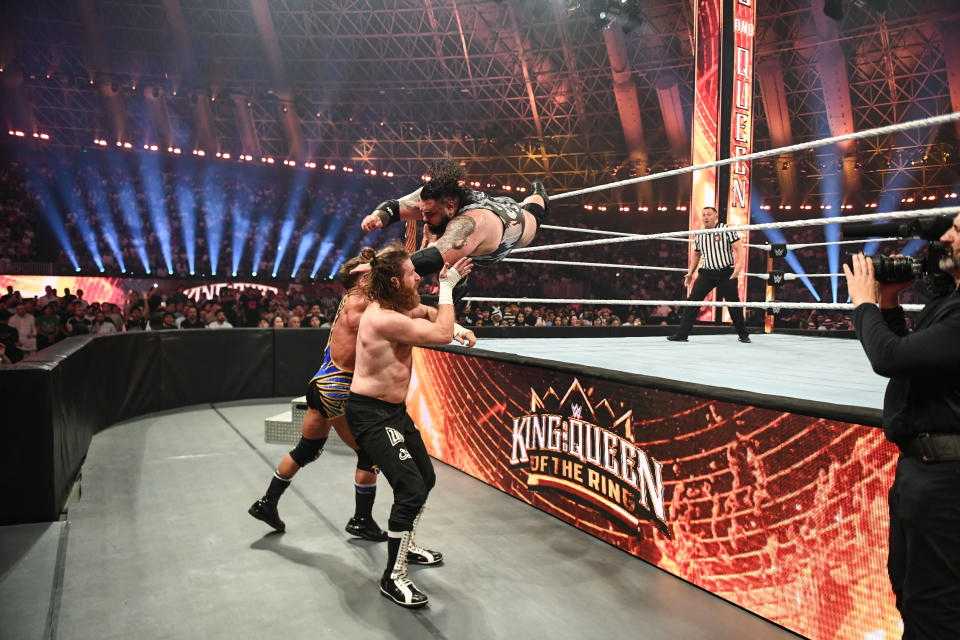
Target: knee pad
x=538, y=212
x=365, y=462
x=427, y=261
x=307, y=450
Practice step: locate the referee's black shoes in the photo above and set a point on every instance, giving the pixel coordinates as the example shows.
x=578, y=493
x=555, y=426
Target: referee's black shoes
x=679, y=338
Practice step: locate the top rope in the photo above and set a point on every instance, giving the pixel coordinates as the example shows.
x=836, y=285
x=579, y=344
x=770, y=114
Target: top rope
x=813, y=144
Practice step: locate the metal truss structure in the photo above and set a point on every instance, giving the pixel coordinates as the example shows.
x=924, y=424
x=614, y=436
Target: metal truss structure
x=516, y=89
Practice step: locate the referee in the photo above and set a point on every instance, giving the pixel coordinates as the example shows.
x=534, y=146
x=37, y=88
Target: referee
x=721, y=257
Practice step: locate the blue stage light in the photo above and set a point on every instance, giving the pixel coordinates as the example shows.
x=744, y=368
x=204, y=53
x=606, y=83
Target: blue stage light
x=326, y=246
x=101, y=207
x=831, y=197
x=151, y=178
x=331, y=236
x=762, y=216
x=70, y=196
x=187, y=206
x=260, y=241
x=127, y=199
x=213, y=210
x=306, y=242
x=241, y=228
x=350, y=251
x=297, y=191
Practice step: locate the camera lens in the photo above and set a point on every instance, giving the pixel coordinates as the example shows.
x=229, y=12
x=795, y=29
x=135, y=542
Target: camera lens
x=896, y=269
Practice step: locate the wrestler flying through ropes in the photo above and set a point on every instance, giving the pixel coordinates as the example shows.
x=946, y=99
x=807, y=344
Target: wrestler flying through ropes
x=462, y=222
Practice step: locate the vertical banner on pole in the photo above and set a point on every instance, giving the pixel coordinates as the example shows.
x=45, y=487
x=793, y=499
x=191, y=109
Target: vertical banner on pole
x=741, y=126
x=723, y=117
x=705, y=137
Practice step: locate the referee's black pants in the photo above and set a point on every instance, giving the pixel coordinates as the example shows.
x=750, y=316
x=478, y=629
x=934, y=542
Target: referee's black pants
x=924, y=561
x=707, y=281
x=387, y=434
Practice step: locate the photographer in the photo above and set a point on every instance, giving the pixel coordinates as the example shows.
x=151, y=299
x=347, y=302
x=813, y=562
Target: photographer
x=921, y=415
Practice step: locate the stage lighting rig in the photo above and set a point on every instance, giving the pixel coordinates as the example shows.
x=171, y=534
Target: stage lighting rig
x=834, y=8
x=606, y=13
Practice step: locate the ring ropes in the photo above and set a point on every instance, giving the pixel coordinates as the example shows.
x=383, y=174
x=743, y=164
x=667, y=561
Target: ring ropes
x=619, y=237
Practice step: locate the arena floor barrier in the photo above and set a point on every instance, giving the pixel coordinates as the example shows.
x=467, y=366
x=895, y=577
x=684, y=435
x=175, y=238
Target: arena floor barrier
x=773, y=501
x=58, y=398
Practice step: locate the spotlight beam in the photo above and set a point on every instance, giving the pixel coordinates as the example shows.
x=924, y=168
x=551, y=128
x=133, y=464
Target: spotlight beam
x=213, y=210
x=93, y=181
x=151, y=178
x=70, y=195
x=290, y=217
x=51, y=212
x=187, y=207
x=127, y=199
x=776, y=236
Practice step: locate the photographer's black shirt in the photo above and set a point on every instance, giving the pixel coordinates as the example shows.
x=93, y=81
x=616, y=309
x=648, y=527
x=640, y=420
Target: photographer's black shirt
x=923, y=395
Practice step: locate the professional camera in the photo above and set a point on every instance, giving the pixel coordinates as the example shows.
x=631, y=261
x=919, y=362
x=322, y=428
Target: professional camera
x=904, y=269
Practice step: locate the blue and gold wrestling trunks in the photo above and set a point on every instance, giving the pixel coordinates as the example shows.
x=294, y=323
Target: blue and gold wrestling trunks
x=329, y=388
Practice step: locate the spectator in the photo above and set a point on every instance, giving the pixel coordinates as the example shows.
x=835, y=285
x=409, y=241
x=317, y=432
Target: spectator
x=192, y=320
x=9, y=337
x=220, y=322
x=102, y=325
x=47, y=298
x=10, y=298
x=168, y=322
x=80, y=301
x=77, y=324
x=136, y=320
x=48, y=326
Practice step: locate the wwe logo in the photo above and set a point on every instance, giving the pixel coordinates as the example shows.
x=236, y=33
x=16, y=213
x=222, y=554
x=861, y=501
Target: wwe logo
x=576, y=411
x=778, y=278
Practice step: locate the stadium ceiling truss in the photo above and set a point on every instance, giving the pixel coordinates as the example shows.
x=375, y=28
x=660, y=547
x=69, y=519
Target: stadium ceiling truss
x=516, y=89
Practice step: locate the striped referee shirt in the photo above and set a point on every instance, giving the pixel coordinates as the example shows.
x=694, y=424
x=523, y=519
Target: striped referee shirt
x=714, y=248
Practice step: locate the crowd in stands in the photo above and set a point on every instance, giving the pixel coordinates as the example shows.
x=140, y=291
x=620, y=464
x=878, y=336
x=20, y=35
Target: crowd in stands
x=18, y=224
x=30, y=324
x=111, y=199
x=101, y=189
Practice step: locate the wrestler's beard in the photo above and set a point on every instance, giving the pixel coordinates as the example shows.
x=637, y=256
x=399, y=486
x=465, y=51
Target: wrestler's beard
x=438, y=230
x=407, y=299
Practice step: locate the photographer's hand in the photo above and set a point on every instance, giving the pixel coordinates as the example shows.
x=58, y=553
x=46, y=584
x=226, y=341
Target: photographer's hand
x=889, y=292
x=861, y=285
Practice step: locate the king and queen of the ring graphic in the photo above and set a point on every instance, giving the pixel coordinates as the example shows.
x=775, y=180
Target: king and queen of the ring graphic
x=584, y=450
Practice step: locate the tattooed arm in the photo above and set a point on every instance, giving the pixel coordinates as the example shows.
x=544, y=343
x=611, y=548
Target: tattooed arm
x=460, y=238
x=408, y=206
